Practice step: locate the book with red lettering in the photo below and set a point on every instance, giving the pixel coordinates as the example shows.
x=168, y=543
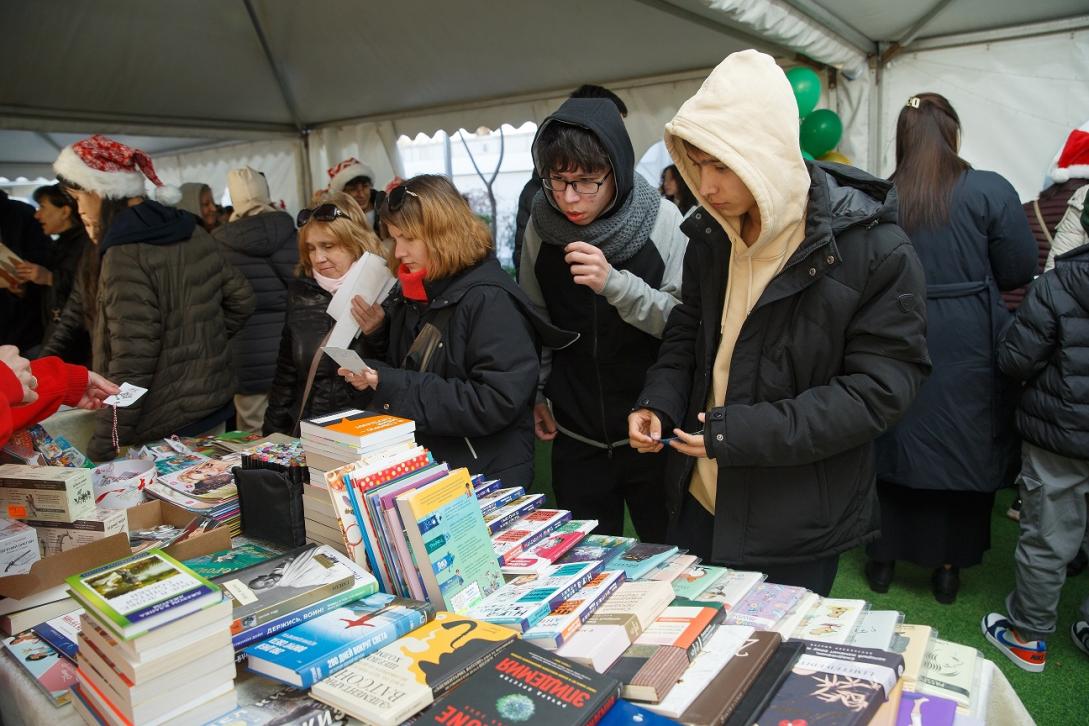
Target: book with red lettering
x=526, y=684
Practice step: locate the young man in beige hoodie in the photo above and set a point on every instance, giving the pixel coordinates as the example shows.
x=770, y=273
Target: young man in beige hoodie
x=799, y=338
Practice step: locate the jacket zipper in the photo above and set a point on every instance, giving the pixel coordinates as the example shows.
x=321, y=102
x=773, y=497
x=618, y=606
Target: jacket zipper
x=597, y=374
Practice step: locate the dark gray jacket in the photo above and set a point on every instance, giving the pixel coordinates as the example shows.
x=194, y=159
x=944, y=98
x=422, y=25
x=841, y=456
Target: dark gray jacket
x=831, y=355
x=263, y=248
x=1047, y=347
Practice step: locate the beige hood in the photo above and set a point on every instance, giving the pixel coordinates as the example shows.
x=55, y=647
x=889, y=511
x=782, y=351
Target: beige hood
x=745, y=116
x=249, y=193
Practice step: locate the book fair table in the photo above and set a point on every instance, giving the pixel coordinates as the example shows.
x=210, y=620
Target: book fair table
x=423, y=589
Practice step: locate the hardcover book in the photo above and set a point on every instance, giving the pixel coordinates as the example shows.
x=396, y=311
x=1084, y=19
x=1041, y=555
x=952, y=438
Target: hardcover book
x=312, y=651
x=499, y=498
x=567, y=617
x=642, y=558
x=526, y=532
x=765, y=605
x=766, y=684
x=696, y=580
x=62, y=633
x=549, y=550
x=508, y=514
x=53, y=673
x=273, y=588
x=525, y=601
x=600, y=547
x=817, y=695
x=401, y=679
x=358, y=428
x=832, y=620
x=141, y=592
x=526, y=684
x=871, y=664
x=450, y=542
x=726, y=689
x=225, y=562
x=716, y=654
x=731, y=588
x=917, y=709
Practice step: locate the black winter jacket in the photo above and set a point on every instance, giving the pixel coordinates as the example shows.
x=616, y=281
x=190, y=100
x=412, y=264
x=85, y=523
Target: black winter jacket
x=262, y=248
x=830, y=356
x=168, y=303
x=20, y=316
x=472, y=396
x=959, y=434
x=69, y=253
x=305, y=325
x=1047, y=347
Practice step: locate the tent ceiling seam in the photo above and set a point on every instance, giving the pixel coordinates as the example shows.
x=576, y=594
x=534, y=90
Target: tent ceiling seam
x=285, y=92
x=908, y=36
x=835, y=25
x=736, y=31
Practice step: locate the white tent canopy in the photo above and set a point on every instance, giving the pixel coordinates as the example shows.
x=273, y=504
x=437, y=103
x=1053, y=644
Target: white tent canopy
x=207, y=85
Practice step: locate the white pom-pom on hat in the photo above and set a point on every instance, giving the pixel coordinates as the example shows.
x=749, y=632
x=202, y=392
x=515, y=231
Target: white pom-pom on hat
x=168, y=194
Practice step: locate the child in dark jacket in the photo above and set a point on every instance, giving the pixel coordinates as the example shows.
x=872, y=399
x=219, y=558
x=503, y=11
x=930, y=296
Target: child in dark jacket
x=1047, y=347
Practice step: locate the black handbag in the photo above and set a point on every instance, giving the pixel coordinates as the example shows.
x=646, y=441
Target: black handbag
x=272, y=506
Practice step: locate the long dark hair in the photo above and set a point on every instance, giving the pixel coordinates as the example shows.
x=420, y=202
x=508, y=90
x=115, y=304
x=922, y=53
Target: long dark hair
x=57, y=197
x=927, y=164
x=685, y=199
x=107, y=213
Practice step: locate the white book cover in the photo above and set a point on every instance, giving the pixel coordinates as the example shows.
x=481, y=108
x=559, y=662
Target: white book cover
x=596, y=646
x=646, y=599
x=876, y=629
x=831, y=621
x=790, y=623
x=567, y=617
x=949, y=671
x=716, y=653
x=732, y=587
x=671, y=569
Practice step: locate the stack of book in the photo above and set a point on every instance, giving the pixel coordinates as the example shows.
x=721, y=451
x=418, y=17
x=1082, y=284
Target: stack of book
x=346, y=436
x=150, y=624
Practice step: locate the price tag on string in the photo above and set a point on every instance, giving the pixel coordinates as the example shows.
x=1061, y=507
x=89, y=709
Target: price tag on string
x=128, y=395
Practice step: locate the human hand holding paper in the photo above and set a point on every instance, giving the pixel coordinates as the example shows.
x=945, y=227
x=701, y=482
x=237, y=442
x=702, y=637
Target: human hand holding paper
x=370, y=279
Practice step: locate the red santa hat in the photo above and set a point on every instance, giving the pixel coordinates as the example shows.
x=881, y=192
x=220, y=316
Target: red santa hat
x=111, y=170
x=1073, y=161
x=345, y=171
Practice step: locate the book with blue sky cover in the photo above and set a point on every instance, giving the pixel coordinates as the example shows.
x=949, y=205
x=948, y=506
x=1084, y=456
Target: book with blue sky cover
x=312, y=651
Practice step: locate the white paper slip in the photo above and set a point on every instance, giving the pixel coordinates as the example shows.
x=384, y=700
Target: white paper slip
x=128, y=395
x=370, y=278
x=346, y=358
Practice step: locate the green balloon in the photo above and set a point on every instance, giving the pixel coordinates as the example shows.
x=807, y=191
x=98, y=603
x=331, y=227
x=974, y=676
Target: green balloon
x=807, y=156
x=821, y=131
x=807, y=88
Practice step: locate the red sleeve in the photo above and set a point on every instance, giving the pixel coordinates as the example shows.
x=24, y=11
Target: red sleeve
x=58, y=382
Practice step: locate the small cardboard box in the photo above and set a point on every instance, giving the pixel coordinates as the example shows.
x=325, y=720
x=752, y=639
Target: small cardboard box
x=153, y=513
x=52, y=571
x=49, y=493
x=18, y=547
x=60, y=536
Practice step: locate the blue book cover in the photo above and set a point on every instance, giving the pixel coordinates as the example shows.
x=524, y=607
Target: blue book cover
x=599, y=547
x=642, y=558
x=483, y=487
x=626, y=713
x=324, y=645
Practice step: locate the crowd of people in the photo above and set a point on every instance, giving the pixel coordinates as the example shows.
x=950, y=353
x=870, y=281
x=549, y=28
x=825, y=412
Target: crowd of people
x=767, y=360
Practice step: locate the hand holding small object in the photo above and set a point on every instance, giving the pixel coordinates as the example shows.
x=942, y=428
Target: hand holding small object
x=361, y=380
x=588, y=265
x=98, y=388
x=368, y=317
x=690, y=444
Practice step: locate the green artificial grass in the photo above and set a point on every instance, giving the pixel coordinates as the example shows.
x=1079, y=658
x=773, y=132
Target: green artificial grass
x=1054, y=696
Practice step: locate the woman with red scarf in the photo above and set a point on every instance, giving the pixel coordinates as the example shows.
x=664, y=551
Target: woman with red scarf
x=456, y=346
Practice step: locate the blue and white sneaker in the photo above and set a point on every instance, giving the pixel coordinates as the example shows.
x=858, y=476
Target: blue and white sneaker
x=1030, y=655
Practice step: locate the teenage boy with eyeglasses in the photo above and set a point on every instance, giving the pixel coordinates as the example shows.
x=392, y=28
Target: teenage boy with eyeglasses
x=602, y=256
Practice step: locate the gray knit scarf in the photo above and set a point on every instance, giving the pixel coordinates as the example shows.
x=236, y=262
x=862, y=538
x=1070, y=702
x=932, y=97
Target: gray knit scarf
x=619, y=236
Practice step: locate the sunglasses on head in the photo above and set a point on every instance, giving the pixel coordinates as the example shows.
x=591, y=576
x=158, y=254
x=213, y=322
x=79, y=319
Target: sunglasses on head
x=322, y=213
x=397, y=197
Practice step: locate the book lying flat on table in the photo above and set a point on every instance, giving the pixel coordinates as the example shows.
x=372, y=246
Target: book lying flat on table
x=525, y=601
x=526, y=684
x=358, y=428
x=549, y=550
x=404, y=677
x=726, y=689
x=53, y=673
x=312, y=651
x=141, y=592
x=567, y=617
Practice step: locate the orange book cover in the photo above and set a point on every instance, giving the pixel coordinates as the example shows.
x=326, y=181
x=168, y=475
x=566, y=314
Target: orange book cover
x=366, y=425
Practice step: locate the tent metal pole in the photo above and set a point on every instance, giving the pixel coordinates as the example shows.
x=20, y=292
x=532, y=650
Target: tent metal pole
x=909, y=35
x=1051, y=27
x=285, y=92
x=835, y=25
x=25, y=117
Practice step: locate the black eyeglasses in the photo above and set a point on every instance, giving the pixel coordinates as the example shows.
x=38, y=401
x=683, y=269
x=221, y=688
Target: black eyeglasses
x=582, y=186
x=397, y=196
x=322, y=213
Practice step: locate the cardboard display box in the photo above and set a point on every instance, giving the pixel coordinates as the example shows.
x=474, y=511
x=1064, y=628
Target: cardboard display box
x=57, y=537
x=50, y=493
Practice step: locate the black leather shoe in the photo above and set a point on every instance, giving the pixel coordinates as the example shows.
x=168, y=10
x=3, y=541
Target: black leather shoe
x=945, y=584
x=879, y=574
